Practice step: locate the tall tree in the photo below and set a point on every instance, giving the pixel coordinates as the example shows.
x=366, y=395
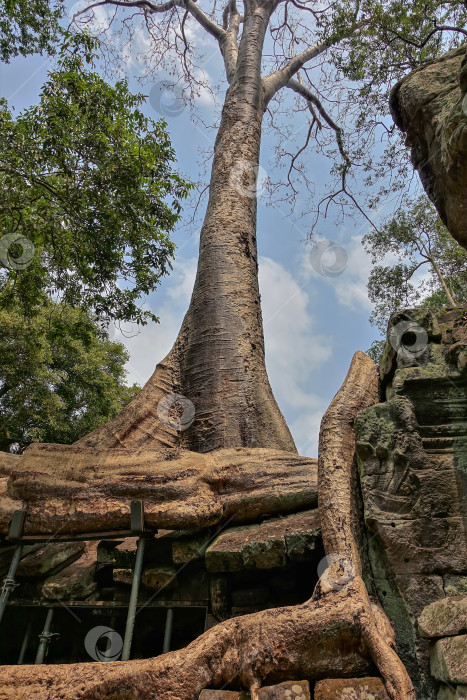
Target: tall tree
x=415, y=239
x=90, y=196
x=29, y=26
x=217, y=361
x=60, y=376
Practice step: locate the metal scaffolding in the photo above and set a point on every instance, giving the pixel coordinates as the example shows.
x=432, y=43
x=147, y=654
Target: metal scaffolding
x=16, y=536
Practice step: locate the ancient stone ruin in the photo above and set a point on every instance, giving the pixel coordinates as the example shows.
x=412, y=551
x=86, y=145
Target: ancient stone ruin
x=221, y=565
x=233, y=537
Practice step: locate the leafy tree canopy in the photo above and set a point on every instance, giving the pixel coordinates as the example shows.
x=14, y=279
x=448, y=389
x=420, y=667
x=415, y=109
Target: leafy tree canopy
x=29, y=26
x=89, y=195
x=414, y=240
x=60, y=376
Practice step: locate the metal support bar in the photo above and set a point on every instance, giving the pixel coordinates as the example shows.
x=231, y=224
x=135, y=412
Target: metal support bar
x=168, y=630
x=45, y=638
x=25, y=643
x=130, y=621
x=9, y=582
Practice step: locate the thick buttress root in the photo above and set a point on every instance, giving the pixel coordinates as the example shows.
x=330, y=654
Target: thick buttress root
x=338, y=632
x=336, y=480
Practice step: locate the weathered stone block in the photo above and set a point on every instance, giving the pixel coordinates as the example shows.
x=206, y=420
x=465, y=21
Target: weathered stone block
x=444, y=618
x=452, y=692
x=123, y=576
x=249, y=596
x=448, y=659
x=50, y=559
x=125, y=553
x=6, y=555
x=194, y=585
x=158, y=577
x=222, y=695
x=76, y=581
x=106, y=551
x=265, y=546
x=219, y=594
x=354, y=688
x=187, y=549
x=290, y=690
x=420, y=591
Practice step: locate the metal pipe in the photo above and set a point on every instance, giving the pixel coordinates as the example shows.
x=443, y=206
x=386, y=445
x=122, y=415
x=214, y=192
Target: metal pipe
x=9, y=583
x=44, y=637
x=168, y=630
x=25, y=643
x=130, y=621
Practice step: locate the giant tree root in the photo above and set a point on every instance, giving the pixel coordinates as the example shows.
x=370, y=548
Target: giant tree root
x=338, y=632
x=74, y=489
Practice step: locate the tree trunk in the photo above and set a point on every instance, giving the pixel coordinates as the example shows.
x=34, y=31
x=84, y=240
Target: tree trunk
x=217, y=361
x=447, y=291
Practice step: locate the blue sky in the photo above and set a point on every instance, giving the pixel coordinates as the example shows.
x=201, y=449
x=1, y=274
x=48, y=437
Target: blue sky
x=313, y=323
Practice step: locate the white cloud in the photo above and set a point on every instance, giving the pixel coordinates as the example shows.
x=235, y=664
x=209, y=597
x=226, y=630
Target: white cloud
x=350, y=286
x=294, y=350
x=152, y=343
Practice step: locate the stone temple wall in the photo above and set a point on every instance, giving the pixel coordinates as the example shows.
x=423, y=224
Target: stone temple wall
x=412, y=458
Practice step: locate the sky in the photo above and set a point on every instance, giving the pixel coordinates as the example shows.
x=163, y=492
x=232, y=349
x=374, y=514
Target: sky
x=315, y=310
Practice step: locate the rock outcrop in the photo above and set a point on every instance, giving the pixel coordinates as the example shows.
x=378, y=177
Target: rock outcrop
x=430, y=106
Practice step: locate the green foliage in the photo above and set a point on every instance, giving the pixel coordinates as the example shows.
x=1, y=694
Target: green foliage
x=29, y=26
x=414, y=238
x=88, y=179
x=375, y=350
x=60, y=376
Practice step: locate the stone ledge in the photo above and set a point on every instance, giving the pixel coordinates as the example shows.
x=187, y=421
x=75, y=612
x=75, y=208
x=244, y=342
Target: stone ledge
x=265, y=546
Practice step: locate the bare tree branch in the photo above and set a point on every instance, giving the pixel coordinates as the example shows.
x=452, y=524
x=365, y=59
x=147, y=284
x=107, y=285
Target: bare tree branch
x=229, y=41
x=275, y=81
x=192, y=7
